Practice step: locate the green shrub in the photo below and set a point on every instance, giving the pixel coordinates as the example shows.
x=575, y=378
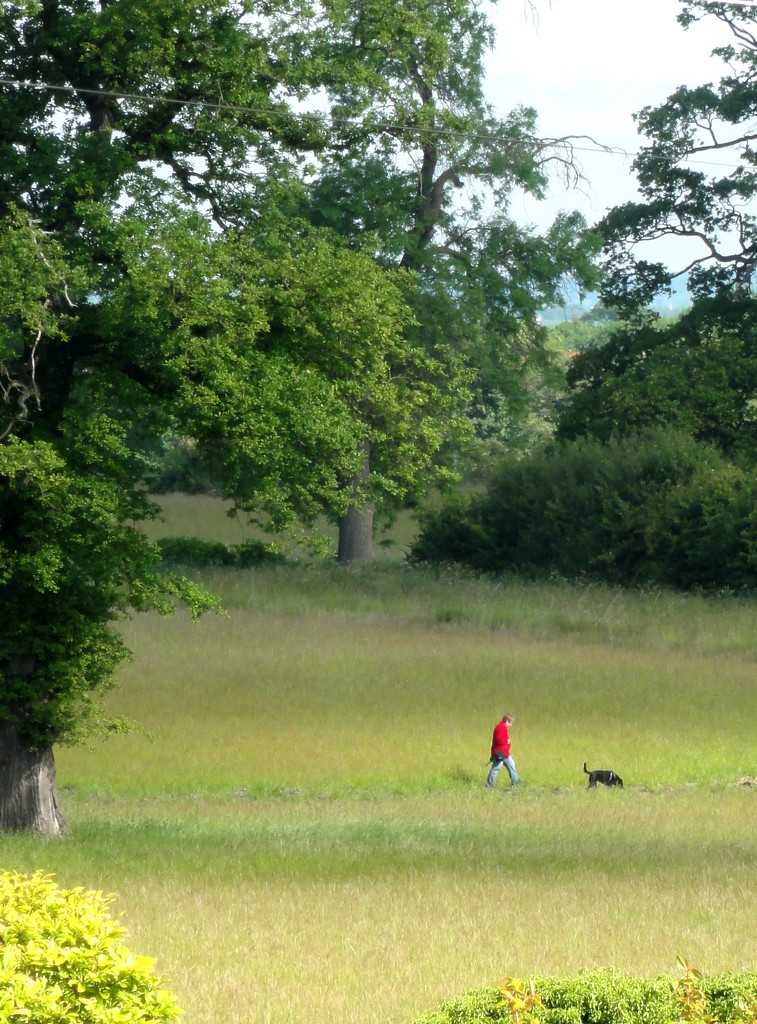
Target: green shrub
x=192, y=551
x=63, y=961
x=606, y=996
x=697, y=374
x=657, y=508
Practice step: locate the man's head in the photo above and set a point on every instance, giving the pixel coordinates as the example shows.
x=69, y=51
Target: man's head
x=507, y=718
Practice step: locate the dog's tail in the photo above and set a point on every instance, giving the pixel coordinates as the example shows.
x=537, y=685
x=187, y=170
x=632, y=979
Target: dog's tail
x=586, y=769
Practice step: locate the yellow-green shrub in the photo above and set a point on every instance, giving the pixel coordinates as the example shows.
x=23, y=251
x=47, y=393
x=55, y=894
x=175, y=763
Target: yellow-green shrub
x=607, y=996
x=62, y=960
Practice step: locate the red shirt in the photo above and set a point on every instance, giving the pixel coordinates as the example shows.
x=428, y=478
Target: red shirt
x=501, y=739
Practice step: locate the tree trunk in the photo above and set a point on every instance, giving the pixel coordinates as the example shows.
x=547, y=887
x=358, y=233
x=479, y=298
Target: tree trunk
x=356, y=525
x=356, y=535
x=28, y=802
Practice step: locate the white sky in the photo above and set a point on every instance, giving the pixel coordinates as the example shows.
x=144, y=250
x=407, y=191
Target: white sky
x=587, y=66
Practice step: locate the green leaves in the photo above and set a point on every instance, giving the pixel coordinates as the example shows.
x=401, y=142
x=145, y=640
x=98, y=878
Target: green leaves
x=71, y=559
x=37, y=289
x=698, y=373
x=340, y=324
x=63, y=959
x=697, y=179
x=653, y=508
x=429, y=170
x=608, y=996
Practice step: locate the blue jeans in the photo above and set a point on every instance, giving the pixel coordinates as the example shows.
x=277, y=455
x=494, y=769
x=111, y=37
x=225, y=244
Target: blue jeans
x=496, y=768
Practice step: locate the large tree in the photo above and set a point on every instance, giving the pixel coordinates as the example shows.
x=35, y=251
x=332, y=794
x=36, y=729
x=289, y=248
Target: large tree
x=423, y=165
x=179, y=336
x=131, y=134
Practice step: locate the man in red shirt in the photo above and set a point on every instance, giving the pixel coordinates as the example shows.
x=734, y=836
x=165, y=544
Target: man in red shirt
x=500, y=752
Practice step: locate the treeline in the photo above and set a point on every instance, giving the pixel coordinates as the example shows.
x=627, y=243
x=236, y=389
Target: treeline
x=655, y=508
x=651, y=478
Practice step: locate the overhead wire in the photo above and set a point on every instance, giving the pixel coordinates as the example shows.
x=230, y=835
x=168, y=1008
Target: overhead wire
x=268, y=112
x=377, y=127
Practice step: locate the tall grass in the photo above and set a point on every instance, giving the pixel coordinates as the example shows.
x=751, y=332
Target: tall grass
x=374, y=910
x=300, y=832
x=696, y=624
x=326, y=703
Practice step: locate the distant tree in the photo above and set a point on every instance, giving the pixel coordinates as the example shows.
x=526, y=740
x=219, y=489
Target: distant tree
x=589, y=330
x=427, y=171
x=697, y=177
x=698, y=374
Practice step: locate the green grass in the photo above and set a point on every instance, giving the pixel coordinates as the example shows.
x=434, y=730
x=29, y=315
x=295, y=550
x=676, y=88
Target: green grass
x=546, y=611
x=375, y=908
x=357, y=838
x=310, y=666
x=300, y=833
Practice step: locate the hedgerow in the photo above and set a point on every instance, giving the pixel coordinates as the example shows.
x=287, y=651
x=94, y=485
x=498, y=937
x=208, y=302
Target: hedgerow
x=62, y=960
x=198, y=553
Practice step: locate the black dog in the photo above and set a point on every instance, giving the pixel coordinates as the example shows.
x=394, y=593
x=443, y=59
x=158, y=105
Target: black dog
x=607, y=778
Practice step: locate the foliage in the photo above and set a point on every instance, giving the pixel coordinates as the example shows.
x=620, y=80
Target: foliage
x=332, y=309
x=99, y=129
x=606, y=996
x=284, y=338
x=654, y=508
x=520, y=997
x=117, y=319
x=173, y=463
x=72, y=563
x=697, y=374
x=196, y=552
x=72, y=558
x=339, y=327
x=171, y=339
x=428, y=172
x=697, y=178
x=64, y=959
x=590, y=330
x=125, y=316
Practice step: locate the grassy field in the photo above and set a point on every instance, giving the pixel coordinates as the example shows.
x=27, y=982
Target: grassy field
x=300, y=833
x=200, y=515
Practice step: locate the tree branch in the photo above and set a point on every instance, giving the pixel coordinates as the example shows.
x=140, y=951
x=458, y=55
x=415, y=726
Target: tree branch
x=24, y=386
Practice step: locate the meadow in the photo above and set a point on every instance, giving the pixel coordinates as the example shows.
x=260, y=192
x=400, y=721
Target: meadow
x=298, y=829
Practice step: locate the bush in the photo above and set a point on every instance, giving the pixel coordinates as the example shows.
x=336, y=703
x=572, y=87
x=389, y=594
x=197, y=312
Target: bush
x=192, y=551
x=697, y=373
x=606, y=996
x=63, y=961
x=657, y=508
